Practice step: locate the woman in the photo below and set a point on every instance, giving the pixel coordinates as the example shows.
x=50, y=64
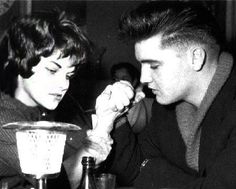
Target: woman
x=39, y=56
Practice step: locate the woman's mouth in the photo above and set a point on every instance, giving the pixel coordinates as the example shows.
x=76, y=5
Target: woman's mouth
x=57, y=96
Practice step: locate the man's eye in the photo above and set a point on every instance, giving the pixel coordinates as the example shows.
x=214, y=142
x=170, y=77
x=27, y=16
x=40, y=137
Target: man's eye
x=52, y=71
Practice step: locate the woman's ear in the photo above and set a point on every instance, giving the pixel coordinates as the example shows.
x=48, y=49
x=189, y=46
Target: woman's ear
x=198, y=58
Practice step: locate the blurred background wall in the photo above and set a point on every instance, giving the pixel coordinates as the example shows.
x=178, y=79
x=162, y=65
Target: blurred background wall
x=100, y=20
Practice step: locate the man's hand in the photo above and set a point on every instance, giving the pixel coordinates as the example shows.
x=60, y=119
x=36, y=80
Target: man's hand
x=111, y=103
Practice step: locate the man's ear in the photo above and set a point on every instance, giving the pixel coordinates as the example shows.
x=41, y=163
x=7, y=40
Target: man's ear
x=198, y=58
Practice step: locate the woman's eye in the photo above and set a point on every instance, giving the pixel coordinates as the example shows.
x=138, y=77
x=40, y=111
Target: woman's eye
x=154, y=67
x=52, y=71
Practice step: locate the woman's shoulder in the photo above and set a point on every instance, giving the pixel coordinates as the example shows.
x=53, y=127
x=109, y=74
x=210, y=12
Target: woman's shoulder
x=8, y=103
x=13, y=110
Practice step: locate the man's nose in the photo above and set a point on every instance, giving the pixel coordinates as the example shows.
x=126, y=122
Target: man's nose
x=145, y=74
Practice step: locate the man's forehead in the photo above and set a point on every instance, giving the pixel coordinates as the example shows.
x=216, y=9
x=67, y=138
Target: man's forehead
x=154, y=40
x=146, y=45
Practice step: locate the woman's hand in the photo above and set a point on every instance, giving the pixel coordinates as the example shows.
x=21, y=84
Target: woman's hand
x=94, y=146
x=97, y=147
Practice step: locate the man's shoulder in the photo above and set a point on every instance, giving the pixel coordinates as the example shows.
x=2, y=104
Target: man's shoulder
x=233, y=105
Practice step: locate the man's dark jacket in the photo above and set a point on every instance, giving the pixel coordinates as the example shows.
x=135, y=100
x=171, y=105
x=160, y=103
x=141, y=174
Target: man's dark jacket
x=156, y=157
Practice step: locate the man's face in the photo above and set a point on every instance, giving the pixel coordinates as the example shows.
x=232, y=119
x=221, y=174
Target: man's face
x=49, y=83
x=165, y=71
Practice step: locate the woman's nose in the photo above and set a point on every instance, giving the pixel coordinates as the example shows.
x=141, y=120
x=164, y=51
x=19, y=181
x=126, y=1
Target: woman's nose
x=63, y=82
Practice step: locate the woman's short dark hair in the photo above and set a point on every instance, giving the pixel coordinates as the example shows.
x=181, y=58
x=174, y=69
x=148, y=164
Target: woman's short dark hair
x=179, y=23
x=31, y=37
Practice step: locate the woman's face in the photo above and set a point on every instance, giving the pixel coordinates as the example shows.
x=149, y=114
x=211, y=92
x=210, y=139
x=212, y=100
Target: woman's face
x=48, y=84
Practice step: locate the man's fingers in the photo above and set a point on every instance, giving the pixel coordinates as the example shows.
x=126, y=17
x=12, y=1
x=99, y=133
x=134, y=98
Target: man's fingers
x=122, y=93
x=113, y=101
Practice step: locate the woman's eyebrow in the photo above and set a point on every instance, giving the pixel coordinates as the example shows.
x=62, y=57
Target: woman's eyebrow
x=149, y=61
x=58, y=65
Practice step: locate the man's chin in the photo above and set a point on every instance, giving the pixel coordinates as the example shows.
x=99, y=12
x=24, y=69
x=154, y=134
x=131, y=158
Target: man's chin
x=162, y=101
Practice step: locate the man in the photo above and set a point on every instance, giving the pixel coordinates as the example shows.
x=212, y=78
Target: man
x=191, y=139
